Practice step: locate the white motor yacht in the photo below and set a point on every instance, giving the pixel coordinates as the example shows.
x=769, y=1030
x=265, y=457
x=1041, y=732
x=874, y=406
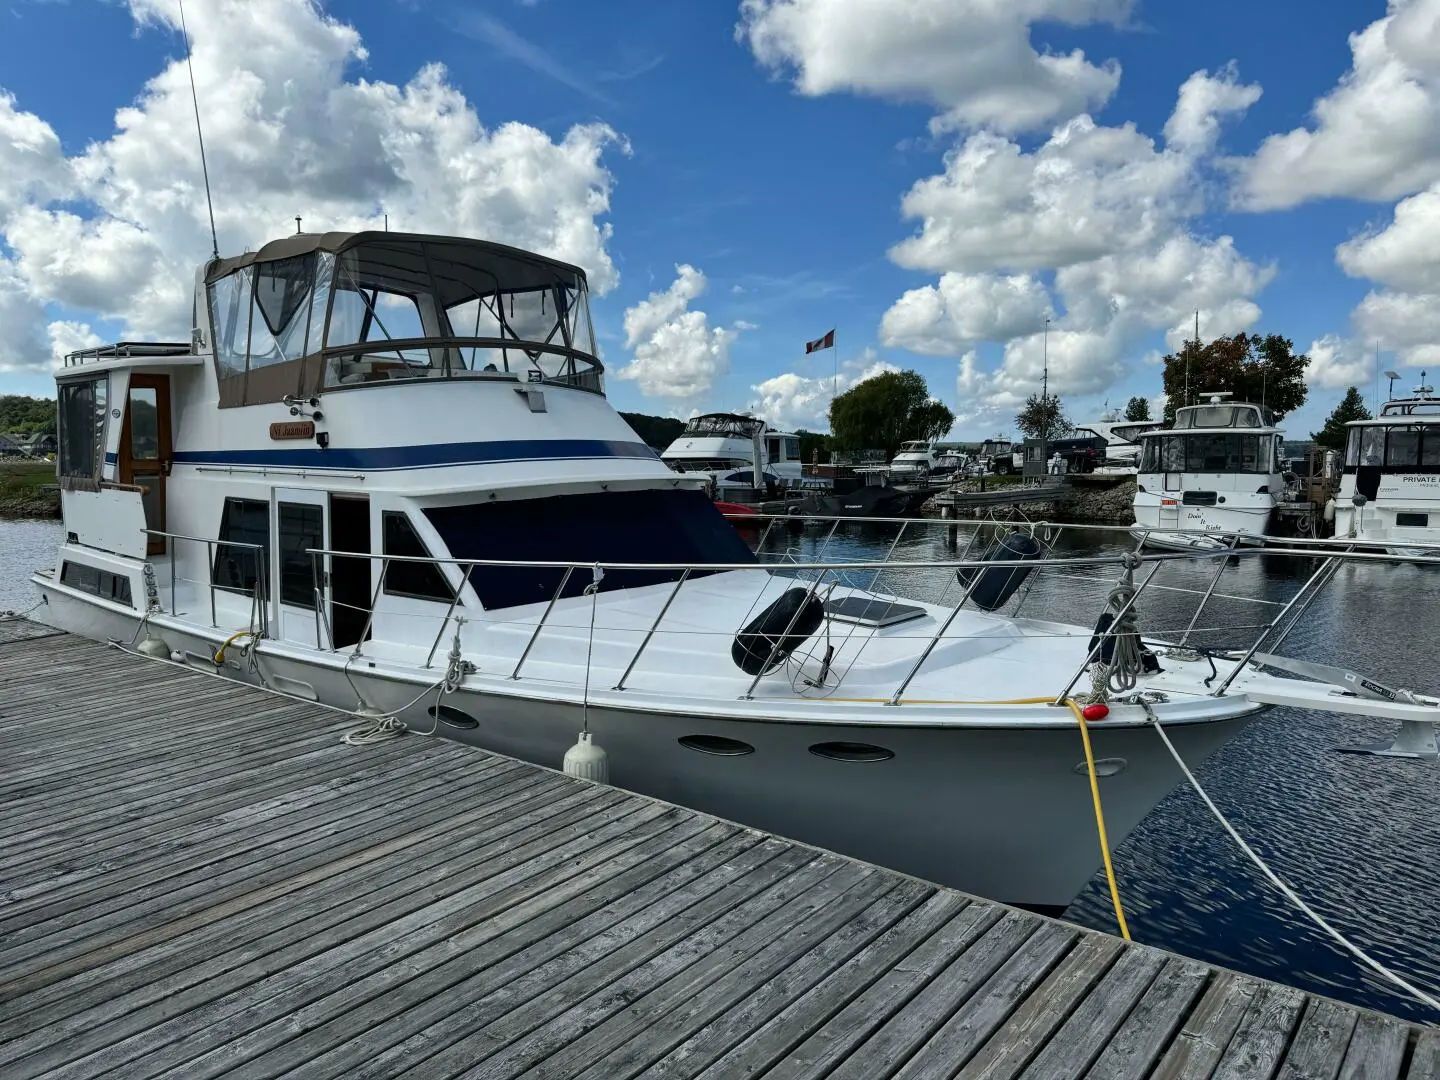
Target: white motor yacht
x=1390, y=489
x=383, y=476
x=1211, y=479
x=720, y=444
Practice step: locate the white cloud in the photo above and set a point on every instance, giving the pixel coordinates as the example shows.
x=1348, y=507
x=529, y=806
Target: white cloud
x=1336, y=362
x=1404, y=313
x=792, y=401
x=24, y=345
x=288, y=131
x=961, y=309
x=678, y=355
x=1376, y=135
x=971, y=59
x=1109, y=212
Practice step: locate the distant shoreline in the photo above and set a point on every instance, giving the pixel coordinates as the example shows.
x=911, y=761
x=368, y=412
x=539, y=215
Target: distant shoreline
x=28, y=490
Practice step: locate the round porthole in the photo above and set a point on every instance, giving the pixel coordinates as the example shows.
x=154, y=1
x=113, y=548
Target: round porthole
x=718, y=745
x=453, y=717
x=851, y=751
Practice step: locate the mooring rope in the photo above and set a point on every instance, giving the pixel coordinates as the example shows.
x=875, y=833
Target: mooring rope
x=1285, y=890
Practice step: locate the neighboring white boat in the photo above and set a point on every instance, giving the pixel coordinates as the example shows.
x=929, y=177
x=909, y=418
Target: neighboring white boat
x=1122, y=442
x=383, y=476
x=1390, y=489
x=1215, y=475
x=914, y=460
x=718, y=444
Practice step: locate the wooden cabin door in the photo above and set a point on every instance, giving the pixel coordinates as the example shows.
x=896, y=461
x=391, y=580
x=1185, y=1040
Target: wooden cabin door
x=145, y=449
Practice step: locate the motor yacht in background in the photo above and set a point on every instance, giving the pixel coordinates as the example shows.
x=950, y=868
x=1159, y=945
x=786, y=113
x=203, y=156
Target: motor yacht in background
x=1215, y=474
x=914, y=461
x=383, y=476
x=1122, y=442
x=720, y=445
x=1390, y=488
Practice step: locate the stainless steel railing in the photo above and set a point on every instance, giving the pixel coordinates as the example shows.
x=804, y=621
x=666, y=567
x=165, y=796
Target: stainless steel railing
x=259, y=607
x=1331, y=554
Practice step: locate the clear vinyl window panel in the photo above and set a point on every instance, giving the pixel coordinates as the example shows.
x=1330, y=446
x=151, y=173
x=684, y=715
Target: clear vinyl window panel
x=82, y=406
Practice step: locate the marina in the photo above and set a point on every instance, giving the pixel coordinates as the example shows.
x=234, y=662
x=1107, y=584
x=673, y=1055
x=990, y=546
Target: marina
x=236, y=891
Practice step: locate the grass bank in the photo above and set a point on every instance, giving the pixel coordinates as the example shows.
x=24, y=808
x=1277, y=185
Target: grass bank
x=28, y=490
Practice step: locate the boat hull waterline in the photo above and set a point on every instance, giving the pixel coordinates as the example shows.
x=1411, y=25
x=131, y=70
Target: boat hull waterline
x=1005, y=812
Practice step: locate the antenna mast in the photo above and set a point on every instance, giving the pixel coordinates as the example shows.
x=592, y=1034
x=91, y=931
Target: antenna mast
x=199, y=134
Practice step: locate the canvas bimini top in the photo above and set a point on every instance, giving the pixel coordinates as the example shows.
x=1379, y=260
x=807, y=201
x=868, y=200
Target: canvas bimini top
x=337, y=310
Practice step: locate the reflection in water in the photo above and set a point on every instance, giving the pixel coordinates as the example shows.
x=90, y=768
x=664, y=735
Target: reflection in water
x=1356, y=835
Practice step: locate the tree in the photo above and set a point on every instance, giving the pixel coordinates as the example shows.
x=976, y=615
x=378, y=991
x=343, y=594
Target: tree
x=26, y=414
x=886, y=410
x=654, y=431
x=814, y=446
x=1265, y=371
x=1137, y=408
x=1043, y=418
x=1351, y=407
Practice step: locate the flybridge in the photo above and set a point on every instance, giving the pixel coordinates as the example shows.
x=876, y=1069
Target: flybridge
x=334, y=311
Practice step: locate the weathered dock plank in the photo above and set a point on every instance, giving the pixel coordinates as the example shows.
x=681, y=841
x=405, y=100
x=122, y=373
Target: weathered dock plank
x=198, y=880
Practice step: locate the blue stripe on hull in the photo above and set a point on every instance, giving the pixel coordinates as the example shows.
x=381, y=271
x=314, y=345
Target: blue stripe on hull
x=431, y=456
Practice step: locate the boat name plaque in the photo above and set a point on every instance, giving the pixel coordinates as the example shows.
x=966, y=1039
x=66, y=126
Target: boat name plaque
x=292, y=429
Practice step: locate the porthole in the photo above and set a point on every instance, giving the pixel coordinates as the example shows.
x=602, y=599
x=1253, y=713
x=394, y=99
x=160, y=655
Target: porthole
x=851, y=751
x=453, y=717
x=1105, y=766
x=718, y=745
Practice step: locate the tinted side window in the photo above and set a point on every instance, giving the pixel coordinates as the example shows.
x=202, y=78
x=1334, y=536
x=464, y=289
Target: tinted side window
x=302, y=527
x=243, y=521
x=421, y=580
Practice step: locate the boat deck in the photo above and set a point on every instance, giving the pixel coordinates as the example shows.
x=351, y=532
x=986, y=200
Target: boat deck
x=201, y=879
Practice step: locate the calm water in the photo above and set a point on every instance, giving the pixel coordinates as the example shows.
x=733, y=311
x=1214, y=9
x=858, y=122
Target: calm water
x=1358, y=836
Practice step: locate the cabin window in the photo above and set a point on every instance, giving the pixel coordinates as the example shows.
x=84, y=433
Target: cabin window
x=277, y=324
x=243, y=521
x=1352, y=448
x=1372, y=446
x=301, y=527
x=97, y=582
x=1430, y=449
x=792, y=449
x=230, y=313
x=1412, y=521
x=82, y=427
x=422, y=581
x=667, y=525
x=1402, y=447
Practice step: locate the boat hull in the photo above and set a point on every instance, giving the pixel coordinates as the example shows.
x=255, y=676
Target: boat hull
x=1000, y=811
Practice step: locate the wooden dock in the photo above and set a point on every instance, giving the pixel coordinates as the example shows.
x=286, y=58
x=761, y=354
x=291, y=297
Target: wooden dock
x=199, y=879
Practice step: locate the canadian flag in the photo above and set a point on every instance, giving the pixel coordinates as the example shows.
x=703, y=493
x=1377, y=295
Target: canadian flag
x=826, y=342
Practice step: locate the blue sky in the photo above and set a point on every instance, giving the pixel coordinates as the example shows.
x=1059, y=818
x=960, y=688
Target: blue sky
x=786, y=199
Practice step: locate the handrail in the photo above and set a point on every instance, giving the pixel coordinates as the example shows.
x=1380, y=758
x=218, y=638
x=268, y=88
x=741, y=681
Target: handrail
x=919, y=564
x=259, y=602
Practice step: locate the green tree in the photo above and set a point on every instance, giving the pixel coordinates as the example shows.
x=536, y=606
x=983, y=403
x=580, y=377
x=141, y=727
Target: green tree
x=654, y=431
x=1351, y=407
x=1266, y=371
x=27, y=415
x=884, y=411
x=1043, y=418
x=814, y=446
x=1137, y=408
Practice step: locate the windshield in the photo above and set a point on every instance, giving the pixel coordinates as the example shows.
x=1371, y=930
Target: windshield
x=1218, y=453
x=650, y=526
x=383, y=307
x=1399, y=448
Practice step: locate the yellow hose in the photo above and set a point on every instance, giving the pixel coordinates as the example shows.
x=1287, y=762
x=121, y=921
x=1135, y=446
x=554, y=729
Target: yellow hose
x=220, y=652
x=1100, y=818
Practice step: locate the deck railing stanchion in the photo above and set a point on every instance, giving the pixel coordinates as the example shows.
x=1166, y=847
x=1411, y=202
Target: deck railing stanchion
x=651, y=632
x=1325, y=568
x=564, y=580
x=934, y=640
x=1214, y=581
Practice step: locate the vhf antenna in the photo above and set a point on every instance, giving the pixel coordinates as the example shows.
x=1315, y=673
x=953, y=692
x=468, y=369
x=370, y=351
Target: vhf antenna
x=199, y=134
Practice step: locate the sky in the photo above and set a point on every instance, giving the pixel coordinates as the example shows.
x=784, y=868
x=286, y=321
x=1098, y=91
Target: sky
x=932, y=179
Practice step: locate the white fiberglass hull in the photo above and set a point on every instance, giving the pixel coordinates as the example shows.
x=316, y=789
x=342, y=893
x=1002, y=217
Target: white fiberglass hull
x=1000, y=811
